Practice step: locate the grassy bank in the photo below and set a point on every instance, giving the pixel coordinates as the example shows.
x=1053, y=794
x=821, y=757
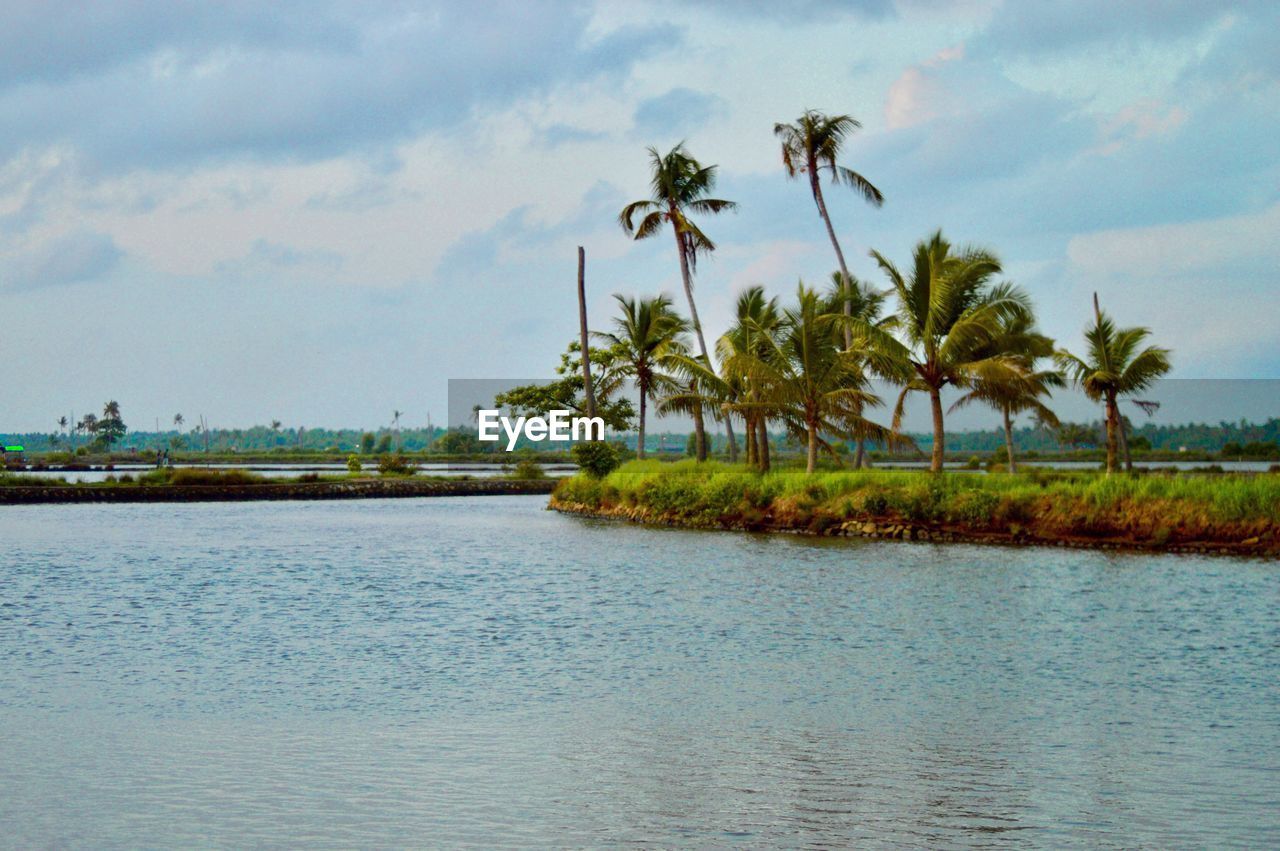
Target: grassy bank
x=1239, y=512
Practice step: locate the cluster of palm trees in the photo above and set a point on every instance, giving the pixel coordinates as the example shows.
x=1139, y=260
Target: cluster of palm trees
x=809, y=366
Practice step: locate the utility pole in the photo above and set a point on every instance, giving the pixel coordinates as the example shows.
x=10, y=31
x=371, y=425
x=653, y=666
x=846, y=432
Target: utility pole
x=587, y=389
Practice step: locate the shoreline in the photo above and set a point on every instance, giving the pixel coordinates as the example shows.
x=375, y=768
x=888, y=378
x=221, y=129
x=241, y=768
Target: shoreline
x=267, y=491
x=897, y=529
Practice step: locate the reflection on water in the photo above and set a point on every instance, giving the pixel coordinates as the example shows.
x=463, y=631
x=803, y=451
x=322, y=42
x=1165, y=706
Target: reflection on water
x=416, y=672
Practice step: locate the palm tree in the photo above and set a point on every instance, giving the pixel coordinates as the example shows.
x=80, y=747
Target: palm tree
x=62, y=427
x=1020, y=393
x=647, y=332
x=757, y=321
x=951, y=317
x=807, y=379
x=1113, y=366
x=177, y=422
x=812, y=144
x=861, y=305
x=680, y=185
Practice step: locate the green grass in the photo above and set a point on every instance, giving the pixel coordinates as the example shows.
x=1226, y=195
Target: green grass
x=1061, y=501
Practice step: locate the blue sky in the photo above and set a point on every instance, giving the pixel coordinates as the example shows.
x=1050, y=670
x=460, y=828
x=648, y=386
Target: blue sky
x=320, y=212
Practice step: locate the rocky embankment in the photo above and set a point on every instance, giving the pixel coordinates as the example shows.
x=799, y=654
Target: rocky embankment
x=1221, y=539
x=367, y=489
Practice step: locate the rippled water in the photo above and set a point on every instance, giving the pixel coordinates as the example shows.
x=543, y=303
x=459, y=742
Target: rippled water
x=479, y=670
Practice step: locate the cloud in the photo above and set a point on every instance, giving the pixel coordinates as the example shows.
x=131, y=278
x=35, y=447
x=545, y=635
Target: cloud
x=69, y=259
x=357, y=78
x=1197, y=284
x=676, y=113
x=1028, y=29
x=274, y=260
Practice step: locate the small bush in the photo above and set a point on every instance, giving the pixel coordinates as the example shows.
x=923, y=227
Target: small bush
x=353, y=464
x=395, y=465
x=187, y=477
x=528, y=470
x=596, y=458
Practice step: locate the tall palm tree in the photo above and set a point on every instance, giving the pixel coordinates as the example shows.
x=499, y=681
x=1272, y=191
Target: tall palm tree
x=1113, y=366
x=647, y=333
x=679, y=186
x=1019, y=393
x=812, y=144
x=950, y=315
x=808, y=380
x=177, y=422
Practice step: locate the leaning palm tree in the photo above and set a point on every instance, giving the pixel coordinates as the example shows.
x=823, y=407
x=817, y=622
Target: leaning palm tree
x=808, y=381
x=951, y=317
x=647, y=333
x=1113, y=366
x=812, y=144
x=1024, y=391
x=679, y=186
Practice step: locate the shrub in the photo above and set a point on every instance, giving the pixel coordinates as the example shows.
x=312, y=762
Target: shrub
x=527, y=469
x=353, y=464
x=596, y=458
x=185, y=477
x=395, y=465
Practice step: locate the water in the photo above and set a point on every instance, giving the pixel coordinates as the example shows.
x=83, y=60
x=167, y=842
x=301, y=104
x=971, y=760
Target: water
x=481, y=671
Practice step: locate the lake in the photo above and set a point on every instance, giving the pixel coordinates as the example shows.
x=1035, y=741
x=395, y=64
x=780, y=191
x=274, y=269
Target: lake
x=453, y=671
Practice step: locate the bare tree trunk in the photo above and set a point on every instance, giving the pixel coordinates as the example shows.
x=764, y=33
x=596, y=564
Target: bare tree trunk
x=588, y=390
x=813, y=448
x=939, y=436
x=1008, y=440
x=762, y=425
x=644, y=392
x=1111, y=433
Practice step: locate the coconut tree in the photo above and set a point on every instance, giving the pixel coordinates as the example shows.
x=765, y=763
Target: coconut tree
x=1114, y=365
x=680, y=186
x=1023, y=391
x=812, y=144
x=729, y=392
x=950, y=314
x=807, y=379
x=647, y=332
x=861, y=306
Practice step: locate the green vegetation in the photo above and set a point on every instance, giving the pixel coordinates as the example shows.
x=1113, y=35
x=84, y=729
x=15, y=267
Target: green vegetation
x=1054, y=505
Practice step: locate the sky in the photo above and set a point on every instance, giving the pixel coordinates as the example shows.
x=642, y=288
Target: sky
x=320, y=212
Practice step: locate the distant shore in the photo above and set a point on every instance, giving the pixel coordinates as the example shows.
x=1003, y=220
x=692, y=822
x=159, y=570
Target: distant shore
x=354, y=489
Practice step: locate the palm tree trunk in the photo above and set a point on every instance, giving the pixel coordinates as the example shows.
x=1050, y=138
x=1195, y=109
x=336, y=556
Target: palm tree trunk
x=846, y=280
x=644, y=393
x=1112, y=417
x=762, y=426
x=1008, y=440
x=699, y=434
x=750, y=440
x=687, y=279
x=939, y=436
x=813, y=448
